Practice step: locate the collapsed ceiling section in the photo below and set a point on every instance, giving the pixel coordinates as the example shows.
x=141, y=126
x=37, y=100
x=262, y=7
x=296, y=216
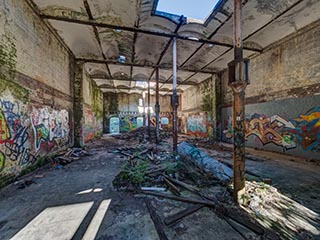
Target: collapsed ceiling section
x=123, y=41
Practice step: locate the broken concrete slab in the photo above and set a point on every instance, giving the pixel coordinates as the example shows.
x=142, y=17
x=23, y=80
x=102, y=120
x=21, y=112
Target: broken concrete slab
x=221, y=171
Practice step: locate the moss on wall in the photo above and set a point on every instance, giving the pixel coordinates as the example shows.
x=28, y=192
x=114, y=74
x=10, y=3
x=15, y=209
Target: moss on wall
x=8, y=62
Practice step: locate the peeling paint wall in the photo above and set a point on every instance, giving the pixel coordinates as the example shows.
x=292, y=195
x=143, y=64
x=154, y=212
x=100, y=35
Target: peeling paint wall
x=283, y=99
x=35, y=91
x=92, y=110
x=198, y=110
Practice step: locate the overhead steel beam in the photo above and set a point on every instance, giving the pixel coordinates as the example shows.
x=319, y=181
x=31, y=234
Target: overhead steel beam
x=96, y=33
x=134, y=80
x=138, y=30
x=110, y=62
x=132, y=88
x=167, y=46
x=255, y=32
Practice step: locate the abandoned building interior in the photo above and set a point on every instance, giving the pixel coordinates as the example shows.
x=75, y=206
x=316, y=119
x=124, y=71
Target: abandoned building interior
x=124, y=119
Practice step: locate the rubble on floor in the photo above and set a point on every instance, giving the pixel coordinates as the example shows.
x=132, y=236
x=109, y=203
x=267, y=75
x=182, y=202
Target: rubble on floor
x=142, y=134
x=202, y=182
x=152, y=170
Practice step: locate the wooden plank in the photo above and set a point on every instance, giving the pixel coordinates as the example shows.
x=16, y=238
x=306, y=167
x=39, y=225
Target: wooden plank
x=179, y=215
x=172, y=187
x=181, y=199
x=156, y=220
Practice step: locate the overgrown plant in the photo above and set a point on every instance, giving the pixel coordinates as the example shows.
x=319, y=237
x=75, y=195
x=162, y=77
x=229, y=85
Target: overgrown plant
x=135, y=175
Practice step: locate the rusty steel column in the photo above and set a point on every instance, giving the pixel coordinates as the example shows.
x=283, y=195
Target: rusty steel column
x=174, y=99
x=149, y=117
x=157, y=108
x=238, y=80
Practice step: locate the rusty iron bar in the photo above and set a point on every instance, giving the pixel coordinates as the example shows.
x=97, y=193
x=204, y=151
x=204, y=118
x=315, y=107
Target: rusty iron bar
x=149, y=114
x=96, y=34
x=139, y=30
x=238, y=116
x=112, y=62
x=157, y=107
x=175, y=98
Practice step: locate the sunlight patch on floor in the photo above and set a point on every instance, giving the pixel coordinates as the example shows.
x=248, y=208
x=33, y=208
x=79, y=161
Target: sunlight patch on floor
x=57, y=223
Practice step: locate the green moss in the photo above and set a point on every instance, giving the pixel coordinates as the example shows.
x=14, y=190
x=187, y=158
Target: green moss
x=8, y=52
x=17, y=91
x=8, y=62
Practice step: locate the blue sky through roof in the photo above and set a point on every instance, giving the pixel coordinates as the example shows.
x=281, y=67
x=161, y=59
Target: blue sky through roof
x=198, y=9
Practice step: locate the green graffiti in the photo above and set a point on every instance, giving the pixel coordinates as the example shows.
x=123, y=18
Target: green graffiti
x=287, y=139
x=2, y=161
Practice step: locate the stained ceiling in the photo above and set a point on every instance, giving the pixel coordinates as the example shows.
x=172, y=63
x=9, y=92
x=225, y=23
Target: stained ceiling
x=122, y=41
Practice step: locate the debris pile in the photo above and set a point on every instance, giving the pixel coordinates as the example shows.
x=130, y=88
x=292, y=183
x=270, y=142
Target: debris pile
x=142, y=134
x=147, y=166
x=154, y=171
x=68, y=156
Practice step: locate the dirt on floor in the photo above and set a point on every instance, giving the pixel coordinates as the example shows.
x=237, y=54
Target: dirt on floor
x=293, y=197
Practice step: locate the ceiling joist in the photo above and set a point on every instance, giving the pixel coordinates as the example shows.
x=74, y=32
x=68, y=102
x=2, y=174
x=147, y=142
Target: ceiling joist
x=143, y=31
x=110, y=62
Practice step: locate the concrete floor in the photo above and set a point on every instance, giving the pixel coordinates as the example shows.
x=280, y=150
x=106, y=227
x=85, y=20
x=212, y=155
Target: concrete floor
x=127, y=216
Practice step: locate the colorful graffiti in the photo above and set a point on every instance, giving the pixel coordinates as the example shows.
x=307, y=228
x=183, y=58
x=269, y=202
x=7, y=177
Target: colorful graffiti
x=50, y=126
x=129, y=123
x=92, y=125
x=24, y=132
x=15, y=149
x=303, y=131
x=89, y=123
x=198, y=125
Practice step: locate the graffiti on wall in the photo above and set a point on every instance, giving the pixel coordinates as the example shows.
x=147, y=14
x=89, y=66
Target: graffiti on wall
x=198, y=125
x=24, y=133
x=303, y=131
x=92, y=125
x=129, y=123
x=50, y=126
x=15, y=149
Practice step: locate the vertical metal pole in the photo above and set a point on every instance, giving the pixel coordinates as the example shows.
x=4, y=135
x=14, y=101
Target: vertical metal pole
x=144, y=107
x=238, y=116
x=157, y=107
x=175, y=98
x=149, y=117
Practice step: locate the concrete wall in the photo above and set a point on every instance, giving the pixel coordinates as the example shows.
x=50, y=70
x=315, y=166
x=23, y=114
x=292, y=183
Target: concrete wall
x=35, y=90
x=283, y=99
x=92, y=109
x=198, y=113
x=125, y=106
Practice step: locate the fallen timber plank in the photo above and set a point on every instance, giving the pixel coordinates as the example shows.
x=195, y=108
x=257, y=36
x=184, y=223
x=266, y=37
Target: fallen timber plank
x=184, y=213
x=181, y=199
x=220, y=210
x=172, y=187
x=156, y=220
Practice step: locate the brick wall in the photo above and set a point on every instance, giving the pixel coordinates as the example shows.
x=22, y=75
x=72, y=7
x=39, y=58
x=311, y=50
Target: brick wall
x=35, y=90
x=92, y=109
x=198, y=115
x=283, y=98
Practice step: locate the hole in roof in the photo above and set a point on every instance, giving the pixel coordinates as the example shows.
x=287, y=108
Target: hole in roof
x=198, y=10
